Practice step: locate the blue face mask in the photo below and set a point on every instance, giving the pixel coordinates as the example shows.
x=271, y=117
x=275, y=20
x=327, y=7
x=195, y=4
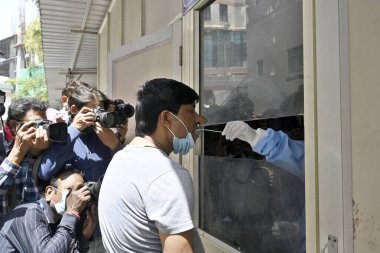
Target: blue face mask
x=60, y=206
x=183, y=145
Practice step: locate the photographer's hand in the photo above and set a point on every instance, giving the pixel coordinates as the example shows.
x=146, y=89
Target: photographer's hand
x=40, y=141
x=78, y=199
x=107, y=136
x=22, y=143
x=90, y=222
x=122, y=131
x=84, y=118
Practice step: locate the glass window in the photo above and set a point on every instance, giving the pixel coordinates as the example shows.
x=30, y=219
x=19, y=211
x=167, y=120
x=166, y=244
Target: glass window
x=260, y=68
x=295, y=62
x=252, y=71
x=207, y=14
x=223, y=12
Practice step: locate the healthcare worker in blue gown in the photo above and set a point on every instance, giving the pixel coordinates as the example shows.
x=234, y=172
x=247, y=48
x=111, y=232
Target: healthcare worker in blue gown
x=281, y=151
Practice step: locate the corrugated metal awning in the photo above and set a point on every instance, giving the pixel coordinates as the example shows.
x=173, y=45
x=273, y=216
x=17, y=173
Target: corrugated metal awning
x=69, y=39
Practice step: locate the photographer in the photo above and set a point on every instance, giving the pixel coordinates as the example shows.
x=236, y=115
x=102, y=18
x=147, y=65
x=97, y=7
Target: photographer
x=50, y=223
x=89, y=147
x=20, y=143
x=63, y=114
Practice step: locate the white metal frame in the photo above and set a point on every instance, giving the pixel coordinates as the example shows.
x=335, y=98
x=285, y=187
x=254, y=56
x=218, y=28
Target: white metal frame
x=333, y=123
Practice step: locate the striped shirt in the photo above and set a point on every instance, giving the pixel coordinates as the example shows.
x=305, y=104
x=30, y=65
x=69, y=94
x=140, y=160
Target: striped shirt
x=16, y=185
x=30, y=228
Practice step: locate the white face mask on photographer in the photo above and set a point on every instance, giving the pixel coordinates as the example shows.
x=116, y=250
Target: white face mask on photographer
x=182, y=145
x=60, y=206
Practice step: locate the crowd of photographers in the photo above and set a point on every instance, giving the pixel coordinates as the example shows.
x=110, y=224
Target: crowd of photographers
x=52, y=167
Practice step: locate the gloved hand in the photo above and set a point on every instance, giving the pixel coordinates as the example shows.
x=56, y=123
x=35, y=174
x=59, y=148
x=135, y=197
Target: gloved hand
x=242, y=131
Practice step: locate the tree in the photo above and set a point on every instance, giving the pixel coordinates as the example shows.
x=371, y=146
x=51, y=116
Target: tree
x=33, y=41
x=31, y=87
x=33, y=84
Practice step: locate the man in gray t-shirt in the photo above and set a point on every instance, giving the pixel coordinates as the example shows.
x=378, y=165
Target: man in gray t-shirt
x=146, y=200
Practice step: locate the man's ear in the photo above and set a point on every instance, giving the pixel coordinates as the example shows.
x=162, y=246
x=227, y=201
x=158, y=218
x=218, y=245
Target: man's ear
x=74, y=109
x=13, y=124
x=49, y=193
x=165, y=118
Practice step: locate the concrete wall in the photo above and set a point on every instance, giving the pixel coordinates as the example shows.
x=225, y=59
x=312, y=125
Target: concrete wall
x=129, y=20
x=364, y=38
x=129, y=76
x=160, y=13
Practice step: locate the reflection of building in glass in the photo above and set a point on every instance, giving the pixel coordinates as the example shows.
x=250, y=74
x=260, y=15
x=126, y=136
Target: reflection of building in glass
x=224, y=54
x=255, y=47
x=295, y=63
x=251, y=70
x=274, y=53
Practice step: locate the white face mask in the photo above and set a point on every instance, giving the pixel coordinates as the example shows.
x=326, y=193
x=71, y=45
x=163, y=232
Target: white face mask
x=182, y=145
x=60, y=206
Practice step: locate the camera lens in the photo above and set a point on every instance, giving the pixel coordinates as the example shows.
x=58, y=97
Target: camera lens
x=126, y=109
x=106, y=118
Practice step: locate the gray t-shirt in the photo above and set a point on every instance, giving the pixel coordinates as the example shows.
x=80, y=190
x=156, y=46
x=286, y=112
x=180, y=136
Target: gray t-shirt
x=144, y=193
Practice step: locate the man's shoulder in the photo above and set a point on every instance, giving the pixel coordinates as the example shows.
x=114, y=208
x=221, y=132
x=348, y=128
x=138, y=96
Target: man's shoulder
x=20, y=212
x=26, y=207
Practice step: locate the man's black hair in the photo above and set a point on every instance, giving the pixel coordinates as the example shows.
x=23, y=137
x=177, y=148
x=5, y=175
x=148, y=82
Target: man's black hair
x=80, y=96
x=156, y=96
x=19, y=107
x=101, y=97
x=53, y=181
x=70, y=86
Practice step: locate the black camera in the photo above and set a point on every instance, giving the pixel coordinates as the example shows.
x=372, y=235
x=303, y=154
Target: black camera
x=116, y=118
x=57, y=132
x=94, y=188
x=2, y=101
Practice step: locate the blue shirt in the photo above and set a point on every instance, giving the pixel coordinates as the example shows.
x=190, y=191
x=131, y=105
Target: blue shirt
x=85, y=152
x=283, y=152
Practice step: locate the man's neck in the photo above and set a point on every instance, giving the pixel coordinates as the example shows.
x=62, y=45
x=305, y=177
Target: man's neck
x=149, y=141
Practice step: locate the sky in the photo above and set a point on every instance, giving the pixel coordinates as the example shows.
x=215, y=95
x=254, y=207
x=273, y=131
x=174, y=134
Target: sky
x=9, y=15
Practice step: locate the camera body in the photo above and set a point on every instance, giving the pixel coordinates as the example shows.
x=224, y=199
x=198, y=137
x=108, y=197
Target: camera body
x=2, y=101
x=57, y=132
x=116, y=118
x=94, y=188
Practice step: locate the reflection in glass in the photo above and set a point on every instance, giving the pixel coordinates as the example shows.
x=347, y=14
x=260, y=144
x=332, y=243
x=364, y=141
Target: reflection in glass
x=248, y=202
x=251, y=69
x=251, y=59
x=244, y=199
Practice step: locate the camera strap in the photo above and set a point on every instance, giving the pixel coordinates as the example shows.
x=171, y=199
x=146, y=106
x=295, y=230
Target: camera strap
x=3, y=152
x=36, y=164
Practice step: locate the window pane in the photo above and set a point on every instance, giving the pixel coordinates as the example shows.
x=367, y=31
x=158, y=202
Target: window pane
x=223, y=12
x=207, y=14
x=251, y=70
x=258, y=54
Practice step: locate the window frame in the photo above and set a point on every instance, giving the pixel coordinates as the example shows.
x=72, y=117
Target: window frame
x=330, y=21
